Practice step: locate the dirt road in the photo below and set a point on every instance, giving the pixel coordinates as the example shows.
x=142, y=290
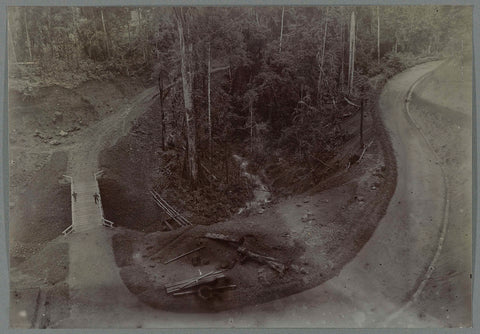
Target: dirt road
x=373, y=290
x=94, y=279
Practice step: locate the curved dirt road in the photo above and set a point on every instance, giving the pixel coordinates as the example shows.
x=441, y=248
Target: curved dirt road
x=374, y=289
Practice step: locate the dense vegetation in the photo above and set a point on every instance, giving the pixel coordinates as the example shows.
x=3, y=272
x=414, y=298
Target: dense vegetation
x=262, y=80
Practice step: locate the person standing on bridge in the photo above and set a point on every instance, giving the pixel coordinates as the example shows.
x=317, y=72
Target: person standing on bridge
x=74, y=195
x=96, y=197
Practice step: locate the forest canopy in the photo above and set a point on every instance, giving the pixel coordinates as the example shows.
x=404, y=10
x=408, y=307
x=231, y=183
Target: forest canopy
x=261, y=76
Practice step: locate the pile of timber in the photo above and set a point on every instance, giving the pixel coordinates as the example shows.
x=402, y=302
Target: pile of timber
x=209, y=277
x=177, y=217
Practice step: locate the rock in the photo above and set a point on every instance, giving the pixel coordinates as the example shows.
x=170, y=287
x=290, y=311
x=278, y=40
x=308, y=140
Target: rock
x=303, y=271
x=373, y=188
x=227, y=264
x=261, y=210
x=54, y=142
x=63, y=133
x=299, y=205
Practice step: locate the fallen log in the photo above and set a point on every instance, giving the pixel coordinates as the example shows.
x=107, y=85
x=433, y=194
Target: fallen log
x=364, y=150
x=270, y=261
x=351, y=103
x=222, y=237
x=184, y=254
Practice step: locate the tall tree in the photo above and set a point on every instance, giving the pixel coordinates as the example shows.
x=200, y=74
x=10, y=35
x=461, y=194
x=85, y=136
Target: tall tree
x=322, y=58
x=351, y=63
x=29, y=44
x=378, y=34
x=186, y=50
x=105, y=34
x=209, y=103
x=11, y=47
x=281, y=29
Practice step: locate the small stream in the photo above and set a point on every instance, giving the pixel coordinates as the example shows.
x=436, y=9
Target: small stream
x=261, y=194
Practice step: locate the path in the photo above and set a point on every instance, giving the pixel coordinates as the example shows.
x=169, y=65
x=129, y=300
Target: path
x=94, y=280
x=86, y=213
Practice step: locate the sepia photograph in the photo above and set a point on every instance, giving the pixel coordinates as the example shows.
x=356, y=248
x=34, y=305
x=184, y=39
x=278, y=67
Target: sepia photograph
x=240, y=166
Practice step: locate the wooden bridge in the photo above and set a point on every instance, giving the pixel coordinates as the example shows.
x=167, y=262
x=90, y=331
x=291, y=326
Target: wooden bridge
x=87, y=212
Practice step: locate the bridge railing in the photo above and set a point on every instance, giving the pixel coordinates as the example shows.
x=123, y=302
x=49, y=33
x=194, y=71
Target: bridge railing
x=69, y=229
x=105, y=222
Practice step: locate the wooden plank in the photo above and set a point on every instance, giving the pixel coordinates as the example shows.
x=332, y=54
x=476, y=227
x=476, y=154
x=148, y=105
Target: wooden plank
x=272, y=262
x=184, y=254
x=196, y=282
x=169, y=209
x=169, y=285
x=219, y=236
x=175, y=212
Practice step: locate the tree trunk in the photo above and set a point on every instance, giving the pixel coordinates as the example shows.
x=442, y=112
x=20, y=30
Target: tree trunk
x=10, y=39
x=50, y=39
x=75, y=34
x=351, y=63
x=281, y=29
x=362, y=105
x=342, y=70
x=162, y=111
x=210, y=152
x=378, y=34
x=251, y=126
x=461, y=61
x=29, y=46
x=129, y=35
x=322, y=59
x=106, y=36
x=187, y=80
x=227, y=159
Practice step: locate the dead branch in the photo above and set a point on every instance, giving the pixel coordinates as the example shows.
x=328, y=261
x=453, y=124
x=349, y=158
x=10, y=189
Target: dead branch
x=351, y=103
x=364, y=150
